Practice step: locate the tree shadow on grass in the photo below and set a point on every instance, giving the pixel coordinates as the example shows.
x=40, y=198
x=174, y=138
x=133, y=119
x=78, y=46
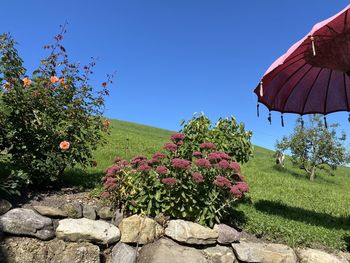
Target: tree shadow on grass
x=301, y=174
x=81, y=178
x=347, y=242
x=303, y=215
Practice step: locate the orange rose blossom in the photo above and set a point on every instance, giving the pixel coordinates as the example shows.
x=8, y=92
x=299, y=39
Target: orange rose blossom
x=64, y=145
x=26, y=82
x=54, y=79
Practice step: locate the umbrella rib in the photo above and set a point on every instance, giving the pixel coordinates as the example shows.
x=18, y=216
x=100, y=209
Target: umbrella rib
x=331, y=29
x=308, y=94
x=295, y=72
x=286, y=100
x=346, y=93
x=345, y=20
x=292, y=63
x=325, y=101
x=293, y=57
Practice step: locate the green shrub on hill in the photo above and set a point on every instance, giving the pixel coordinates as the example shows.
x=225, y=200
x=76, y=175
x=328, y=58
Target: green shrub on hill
x=226, y=134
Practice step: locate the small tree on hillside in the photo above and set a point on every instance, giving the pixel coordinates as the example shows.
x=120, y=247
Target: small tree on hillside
x=314, y=146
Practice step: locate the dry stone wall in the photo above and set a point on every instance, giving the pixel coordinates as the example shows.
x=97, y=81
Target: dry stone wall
x=81, y=233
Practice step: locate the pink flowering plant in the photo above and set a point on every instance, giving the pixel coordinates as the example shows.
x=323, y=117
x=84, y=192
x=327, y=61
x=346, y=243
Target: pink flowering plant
x=52, y=118
x=201, y=188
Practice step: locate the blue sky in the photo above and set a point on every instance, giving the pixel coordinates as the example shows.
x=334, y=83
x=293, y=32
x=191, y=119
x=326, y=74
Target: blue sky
x=174, y=58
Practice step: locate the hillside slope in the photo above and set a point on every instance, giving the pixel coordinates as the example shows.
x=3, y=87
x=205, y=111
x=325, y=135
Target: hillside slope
x=284, y=205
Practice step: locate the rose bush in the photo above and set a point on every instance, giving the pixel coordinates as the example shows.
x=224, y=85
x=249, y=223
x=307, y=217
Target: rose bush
x=201, y=188
x=53, y=118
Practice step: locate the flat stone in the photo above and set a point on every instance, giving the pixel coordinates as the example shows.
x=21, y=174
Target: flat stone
x=88, y=230
x=137, y=229
x=227, y=234
x=30, y=250
x=4, y=206
x=190, y=233
x=49, y=211
x=73, y=210
x=105, y=213
x=309, y=255
x=220, y=254
x=123, y=253
x=264, y=252
x=165, y=250
x=117, y=217
x=89, y=212
x=21, y=221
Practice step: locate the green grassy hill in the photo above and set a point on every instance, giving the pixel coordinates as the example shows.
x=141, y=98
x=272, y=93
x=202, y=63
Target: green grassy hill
x=285, y=206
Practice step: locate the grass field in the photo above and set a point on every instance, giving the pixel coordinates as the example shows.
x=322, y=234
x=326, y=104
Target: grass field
x=284, y=205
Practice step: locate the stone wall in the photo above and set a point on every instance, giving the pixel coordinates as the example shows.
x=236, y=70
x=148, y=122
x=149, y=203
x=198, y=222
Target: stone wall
x=78, y=233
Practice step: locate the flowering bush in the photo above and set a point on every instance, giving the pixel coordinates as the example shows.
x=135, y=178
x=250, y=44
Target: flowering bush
x=201, y=188
x=51, y=119
x=226, y=135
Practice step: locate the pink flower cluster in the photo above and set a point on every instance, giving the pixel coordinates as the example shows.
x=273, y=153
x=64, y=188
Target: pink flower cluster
x=112, y=170
x=197, y=177
x=239, y=189
x=203, y=163
x=180, y=163
x=177, y=137
x=197, y=154
x=162, y=170
x=235, y=167
x=158, y=156
x=171, y=147
x=207, y=145
x=217, y=156
x=138, y=160
x=144, y=168
x=224, y=164
x=169, y=181
x=222, y=181
x=110, y=183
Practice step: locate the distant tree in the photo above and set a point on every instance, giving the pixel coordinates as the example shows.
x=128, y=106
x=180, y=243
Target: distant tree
x=314, y=146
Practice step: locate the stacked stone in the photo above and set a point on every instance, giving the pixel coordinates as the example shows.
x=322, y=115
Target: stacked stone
x=78, y=233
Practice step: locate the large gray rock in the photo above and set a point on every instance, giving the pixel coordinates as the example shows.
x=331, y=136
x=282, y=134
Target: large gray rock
x=165, y=250
x=309, y=255
x=21, y=221
x=84, y=229
x=263, y=252
x=29, y=250
x=227, y=234
x=49, y=211
x=220, y=254
x=4, y=206
x=137, y=229
x=190, y=233
x=123, y=253
x=73, y=210
x=89, y=212
x=105, y=213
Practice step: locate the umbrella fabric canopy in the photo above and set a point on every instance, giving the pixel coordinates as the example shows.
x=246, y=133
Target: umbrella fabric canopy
x=313, y=76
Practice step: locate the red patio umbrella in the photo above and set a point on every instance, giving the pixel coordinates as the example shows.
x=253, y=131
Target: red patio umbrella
x=314, y=75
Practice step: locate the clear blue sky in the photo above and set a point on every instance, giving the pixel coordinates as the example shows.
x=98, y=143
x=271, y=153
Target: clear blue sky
x=174, y=58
